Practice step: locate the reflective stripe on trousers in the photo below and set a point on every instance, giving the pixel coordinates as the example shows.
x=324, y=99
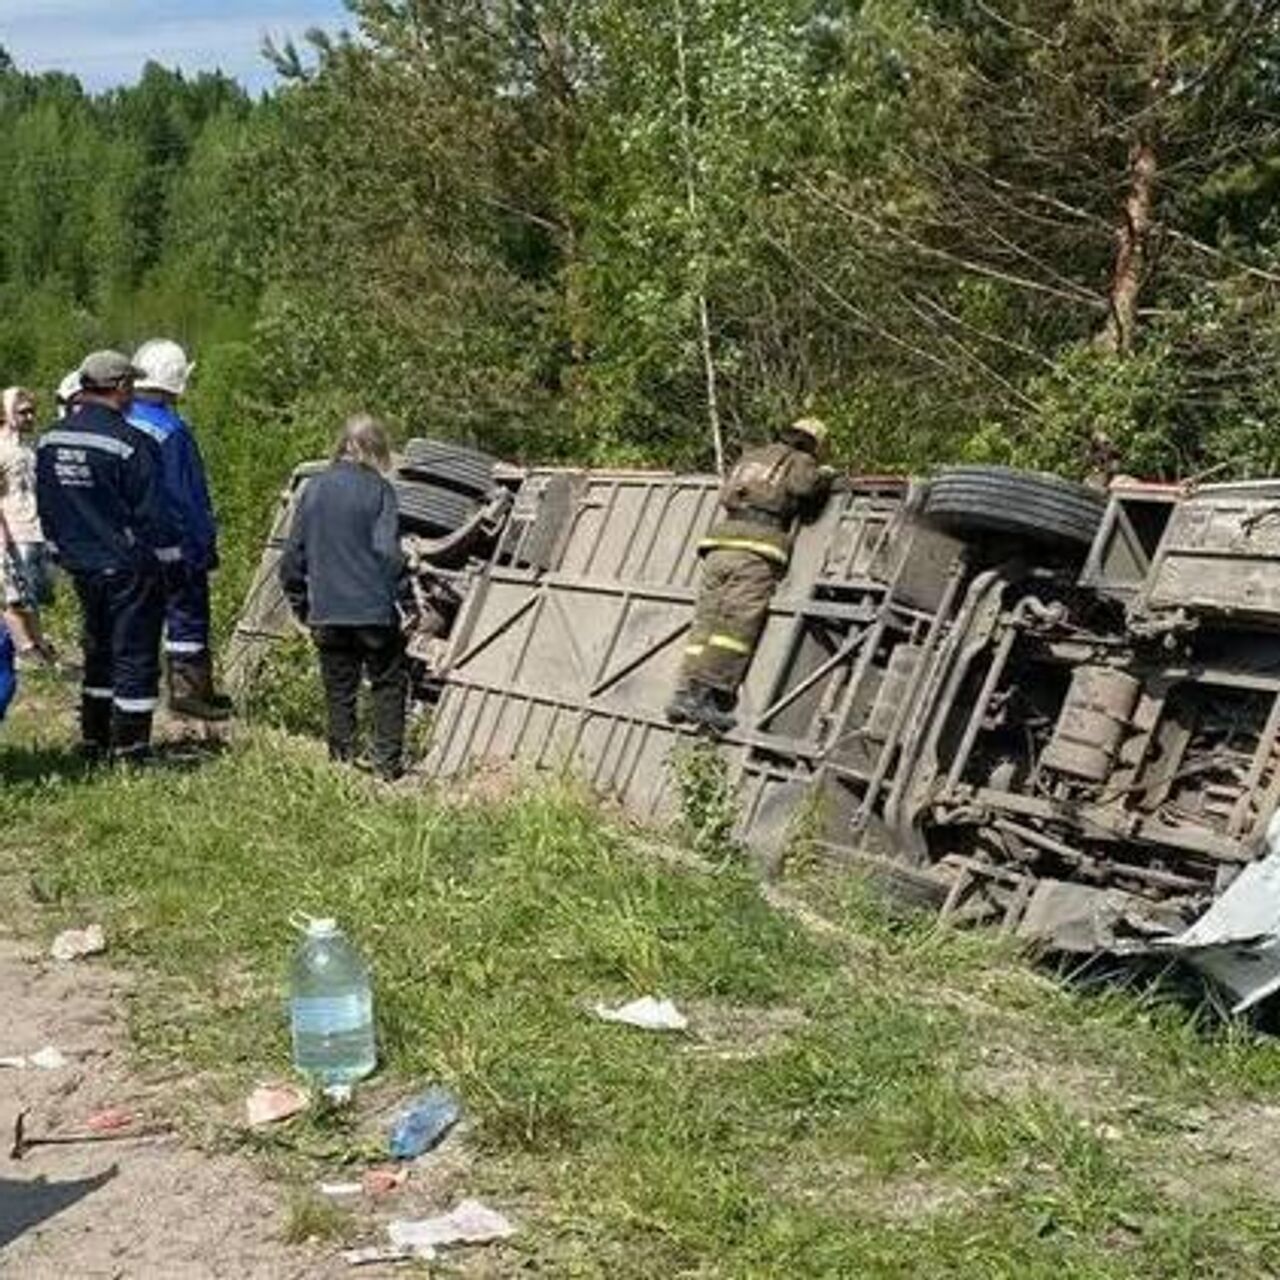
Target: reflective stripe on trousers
x=731, y=610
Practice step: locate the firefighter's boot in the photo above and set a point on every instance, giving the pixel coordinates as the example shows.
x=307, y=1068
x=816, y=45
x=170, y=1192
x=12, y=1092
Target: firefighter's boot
x=683, y=707
x=191, y=691
x=713, y=708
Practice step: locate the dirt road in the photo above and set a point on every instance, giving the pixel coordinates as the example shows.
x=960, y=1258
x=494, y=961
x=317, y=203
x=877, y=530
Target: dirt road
x=122, y=1210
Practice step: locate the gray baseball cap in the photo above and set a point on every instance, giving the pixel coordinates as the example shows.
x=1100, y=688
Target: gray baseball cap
x=106, y=369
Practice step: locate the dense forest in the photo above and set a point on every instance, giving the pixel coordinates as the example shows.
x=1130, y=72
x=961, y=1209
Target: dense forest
x=605, y=230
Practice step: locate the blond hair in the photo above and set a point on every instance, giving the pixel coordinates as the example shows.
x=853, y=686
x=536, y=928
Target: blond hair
x=364, y=442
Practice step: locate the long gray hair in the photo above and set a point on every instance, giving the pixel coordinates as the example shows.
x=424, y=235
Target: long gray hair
x=12, y=398
x=364, y=442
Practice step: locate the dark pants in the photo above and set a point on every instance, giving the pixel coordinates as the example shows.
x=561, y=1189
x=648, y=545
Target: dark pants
x=186, y=612
x=732, y=606
x=123, y=613
x=346, y=654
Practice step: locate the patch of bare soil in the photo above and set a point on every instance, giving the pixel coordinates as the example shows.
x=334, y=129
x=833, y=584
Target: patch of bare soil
x=737, y=1033
x=1013, y=1073
x=136, y=1209
x=1219, y=1154
x=851, y=1186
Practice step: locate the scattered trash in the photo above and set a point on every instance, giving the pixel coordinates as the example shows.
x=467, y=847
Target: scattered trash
x=24, y=1142
x=373, y=1254
x=73, y=944
x=470, y=1223
x=46, y=1059
x=271, y=1103
x=110, y=1120
x=423, y=1123
x=647, y=1013
x=382, y=1182
x=339, y=1190
x=374, y=1182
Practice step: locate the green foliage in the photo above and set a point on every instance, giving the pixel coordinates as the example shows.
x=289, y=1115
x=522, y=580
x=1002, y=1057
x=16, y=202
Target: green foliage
x=708, y=801
x=900, y=214
x=286, y=691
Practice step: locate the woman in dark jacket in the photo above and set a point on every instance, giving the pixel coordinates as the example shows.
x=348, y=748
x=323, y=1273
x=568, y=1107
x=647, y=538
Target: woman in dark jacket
x=341, y=571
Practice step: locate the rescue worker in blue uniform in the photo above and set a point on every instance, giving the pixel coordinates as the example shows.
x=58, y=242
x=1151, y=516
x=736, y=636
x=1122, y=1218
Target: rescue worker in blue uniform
x=744, y=557
x=103, y=509
x=164, y=372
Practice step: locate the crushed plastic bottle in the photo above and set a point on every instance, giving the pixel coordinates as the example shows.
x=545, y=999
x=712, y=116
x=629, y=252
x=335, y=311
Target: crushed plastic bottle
x=331, y=1008
x=423, y=1123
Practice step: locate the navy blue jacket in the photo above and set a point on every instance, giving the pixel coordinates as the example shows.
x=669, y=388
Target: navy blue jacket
x=100, y=494
x=341, y=565
x=184, y=480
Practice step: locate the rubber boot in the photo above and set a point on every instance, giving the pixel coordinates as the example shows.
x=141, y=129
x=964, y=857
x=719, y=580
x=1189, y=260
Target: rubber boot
x=191, y=691
x=683, y=707
x=713, y=709
x=95, y=729
x=130, y=736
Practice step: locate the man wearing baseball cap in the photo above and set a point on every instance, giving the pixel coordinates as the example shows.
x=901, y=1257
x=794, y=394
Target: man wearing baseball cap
x=103, y=508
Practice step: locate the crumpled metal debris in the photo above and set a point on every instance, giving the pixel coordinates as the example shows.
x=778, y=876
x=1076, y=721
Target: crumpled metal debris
x=647, y=1013
x=1080, y=919
x=73, y=944
x=1236, y=942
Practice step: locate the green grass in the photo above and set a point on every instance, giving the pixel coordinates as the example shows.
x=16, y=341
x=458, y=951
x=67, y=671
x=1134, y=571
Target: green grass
x=908, y=1102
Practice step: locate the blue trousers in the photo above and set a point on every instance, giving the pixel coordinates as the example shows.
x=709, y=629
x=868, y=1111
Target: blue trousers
x=123, y=612
x=186, y=612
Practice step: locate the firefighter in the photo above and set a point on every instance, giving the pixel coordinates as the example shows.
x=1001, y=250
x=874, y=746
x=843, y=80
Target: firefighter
x=1102, y=461
x=744, y=558
x=103, y=510
x=164, y=372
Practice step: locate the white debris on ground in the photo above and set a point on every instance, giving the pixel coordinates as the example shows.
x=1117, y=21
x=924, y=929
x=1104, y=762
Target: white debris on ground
x=372, y=1255
x=647, y=1013
x=74, y=944
x=470, y=1223
x=46, y=1059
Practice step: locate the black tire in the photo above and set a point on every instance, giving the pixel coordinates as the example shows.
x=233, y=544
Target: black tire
x=1042, y=508
x=449, y=466
x=424, y=508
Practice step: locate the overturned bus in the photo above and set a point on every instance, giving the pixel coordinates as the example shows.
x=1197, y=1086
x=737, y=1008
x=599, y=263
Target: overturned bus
x=1019, y=700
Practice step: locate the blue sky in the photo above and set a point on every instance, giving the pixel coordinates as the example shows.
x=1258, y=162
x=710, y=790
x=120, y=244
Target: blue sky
x=106, y=42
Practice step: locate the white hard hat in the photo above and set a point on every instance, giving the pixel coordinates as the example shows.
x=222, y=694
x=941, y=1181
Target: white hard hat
x=814, y=428
x=69, y=388
x=164, y=367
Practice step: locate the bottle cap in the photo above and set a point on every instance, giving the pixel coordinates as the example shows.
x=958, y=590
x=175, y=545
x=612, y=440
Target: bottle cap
x=322, y=927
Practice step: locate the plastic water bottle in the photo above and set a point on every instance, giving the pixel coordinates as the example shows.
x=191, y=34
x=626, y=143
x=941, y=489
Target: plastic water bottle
x=331, y=1007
